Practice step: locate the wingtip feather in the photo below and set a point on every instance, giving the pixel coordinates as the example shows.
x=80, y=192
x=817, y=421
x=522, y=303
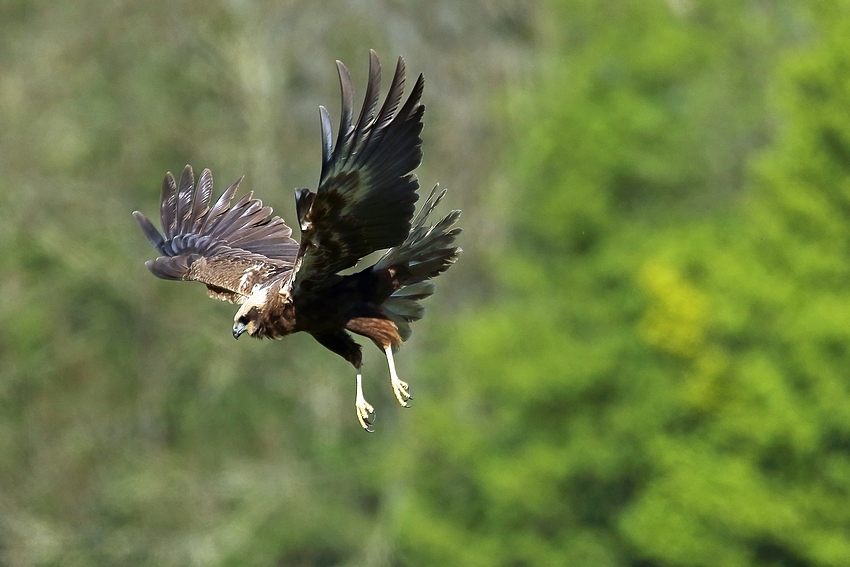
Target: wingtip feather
x=346, y=86
x=151, y=233
x=327, y=138
x=200, y=200
x=168, y=205
x=185, y=192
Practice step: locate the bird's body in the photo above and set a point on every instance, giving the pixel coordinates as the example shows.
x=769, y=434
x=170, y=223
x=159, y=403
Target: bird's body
x=365, y=202
x=351, y=303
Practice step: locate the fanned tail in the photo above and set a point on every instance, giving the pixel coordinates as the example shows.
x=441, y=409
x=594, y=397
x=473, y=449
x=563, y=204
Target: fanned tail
x=427, y=252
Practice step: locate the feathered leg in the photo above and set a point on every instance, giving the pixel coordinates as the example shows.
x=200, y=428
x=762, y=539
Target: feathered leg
x=400, y=388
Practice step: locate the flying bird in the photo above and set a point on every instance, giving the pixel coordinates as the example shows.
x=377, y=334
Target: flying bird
x=365, y=202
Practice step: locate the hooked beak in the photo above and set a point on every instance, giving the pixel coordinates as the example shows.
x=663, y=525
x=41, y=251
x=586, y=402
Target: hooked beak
x=238, y=329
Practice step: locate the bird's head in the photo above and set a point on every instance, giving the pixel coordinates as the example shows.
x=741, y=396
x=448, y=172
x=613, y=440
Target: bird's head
x=245, y=322
x=249, y=316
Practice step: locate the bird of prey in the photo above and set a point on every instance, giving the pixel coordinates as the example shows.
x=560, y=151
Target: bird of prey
x=365, y=202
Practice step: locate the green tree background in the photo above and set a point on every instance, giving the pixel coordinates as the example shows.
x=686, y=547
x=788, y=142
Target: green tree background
x=640, y=361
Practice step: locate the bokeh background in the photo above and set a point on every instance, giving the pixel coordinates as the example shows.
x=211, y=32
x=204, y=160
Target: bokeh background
x=641, y=360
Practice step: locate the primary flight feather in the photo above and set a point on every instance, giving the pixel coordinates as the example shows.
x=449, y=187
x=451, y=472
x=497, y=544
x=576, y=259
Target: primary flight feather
x=364, y=202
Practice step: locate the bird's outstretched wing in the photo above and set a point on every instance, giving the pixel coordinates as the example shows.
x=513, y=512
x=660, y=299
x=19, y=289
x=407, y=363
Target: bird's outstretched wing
x=367, y=191
x=229, y=247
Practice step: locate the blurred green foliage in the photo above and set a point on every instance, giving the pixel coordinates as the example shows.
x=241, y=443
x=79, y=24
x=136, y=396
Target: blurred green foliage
x=640, y=361
x=664, y=381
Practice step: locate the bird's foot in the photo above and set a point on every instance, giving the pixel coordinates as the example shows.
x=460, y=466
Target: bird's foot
x=365, y=415
x=365, y=411
x=402, y=392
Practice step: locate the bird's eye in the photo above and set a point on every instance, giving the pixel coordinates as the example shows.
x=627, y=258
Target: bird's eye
x=243, y=320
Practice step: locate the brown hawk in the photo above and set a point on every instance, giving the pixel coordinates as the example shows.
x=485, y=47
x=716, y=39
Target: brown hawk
x=365, y=202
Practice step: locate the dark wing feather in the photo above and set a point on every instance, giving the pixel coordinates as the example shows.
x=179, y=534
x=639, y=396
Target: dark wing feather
x=367, y=190
x=229, y=247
